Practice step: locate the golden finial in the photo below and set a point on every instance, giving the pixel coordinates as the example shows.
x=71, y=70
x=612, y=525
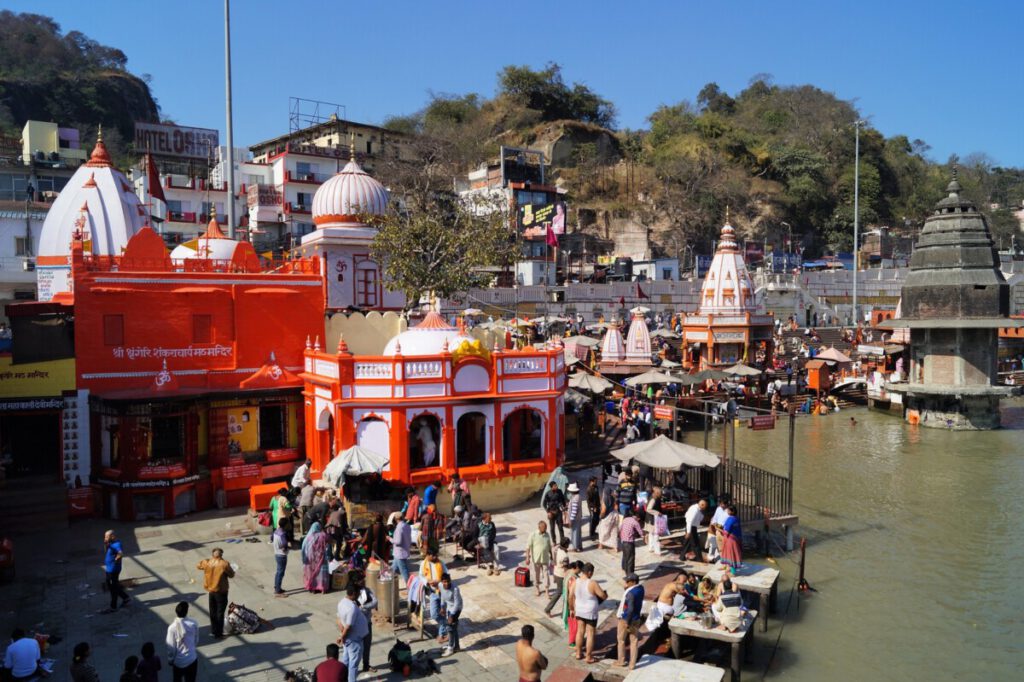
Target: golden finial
x=99, y=133
x=727, y=214
x=352, y=144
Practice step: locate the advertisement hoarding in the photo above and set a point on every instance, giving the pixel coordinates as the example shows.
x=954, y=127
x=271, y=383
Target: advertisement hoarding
x=164, y=139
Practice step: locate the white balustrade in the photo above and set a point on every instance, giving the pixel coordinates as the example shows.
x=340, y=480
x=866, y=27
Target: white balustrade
x=373, y=370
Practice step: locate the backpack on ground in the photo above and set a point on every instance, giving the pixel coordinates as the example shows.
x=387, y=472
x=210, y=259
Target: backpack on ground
x=400, y=658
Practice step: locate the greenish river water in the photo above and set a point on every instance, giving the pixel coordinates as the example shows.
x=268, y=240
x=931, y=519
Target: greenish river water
x=915, y=548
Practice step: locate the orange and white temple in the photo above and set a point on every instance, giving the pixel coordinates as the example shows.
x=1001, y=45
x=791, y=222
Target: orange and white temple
x=730, y=324
x=436, y=401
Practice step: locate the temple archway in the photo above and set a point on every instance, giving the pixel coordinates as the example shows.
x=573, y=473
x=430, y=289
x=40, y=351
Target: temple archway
x=471, y=440
x=523, y=435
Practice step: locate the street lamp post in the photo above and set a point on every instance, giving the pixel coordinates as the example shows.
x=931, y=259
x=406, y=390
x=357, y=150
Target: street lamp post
x=856, y=215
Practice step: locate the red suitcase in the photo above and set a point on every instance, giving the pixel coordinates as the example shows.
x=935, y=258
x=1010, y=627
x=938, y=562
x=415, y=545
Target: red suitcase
x=522, y=576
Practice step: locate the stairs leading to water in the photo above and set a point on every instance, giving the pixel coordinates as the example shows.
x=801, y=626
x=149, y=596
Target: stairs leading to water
x=28, y=506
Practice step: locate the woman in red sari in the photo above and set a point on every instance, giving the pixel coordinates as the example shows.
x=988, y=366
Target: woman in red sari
x=730, y=540
x=316, y=554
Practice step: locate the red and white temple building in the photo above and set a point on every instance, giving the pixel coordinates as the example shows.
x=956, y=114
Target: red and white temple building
x=188, y=376
x=730, y=324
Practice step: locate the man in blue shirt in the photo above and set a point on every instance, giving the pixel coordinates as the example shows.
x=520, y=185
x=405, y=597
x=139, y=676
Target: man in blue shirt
x=630, y=620
x=430, y=496
x=112, y=565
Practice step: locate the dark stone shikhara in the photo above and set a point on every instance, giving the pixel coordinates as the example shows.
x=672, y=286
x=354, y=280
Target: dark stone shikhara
x=954, y=301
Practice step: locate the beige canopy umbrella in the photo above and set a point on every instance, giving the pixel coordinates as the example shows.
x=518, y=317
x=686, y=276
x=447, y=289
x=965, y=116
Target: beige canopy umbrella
x=833, y=355
x=570, y=357
x=651, y=377
x=739, y=369
x=664, y=334
x=589, y=382
x=670, y=364
x=579, y=340
x=665, y=453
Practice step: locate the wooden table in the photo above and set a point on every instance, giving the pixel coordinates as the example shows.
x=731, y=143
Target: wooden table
x=691, y=627
x=661, y=669
x=762, y=580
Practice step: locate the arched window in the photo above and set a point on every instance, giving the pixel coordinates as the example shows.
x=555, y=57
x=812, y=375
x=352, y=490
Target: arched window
x=523, y=435
x=471, y=440
x=425, y=442
x=372, y=433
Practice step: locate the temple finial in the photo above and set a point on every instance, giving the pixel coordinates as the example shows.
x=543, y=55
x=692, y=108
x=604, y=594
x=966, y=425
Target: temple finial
x=727, y=214
x=352, y=144
x=99, y=133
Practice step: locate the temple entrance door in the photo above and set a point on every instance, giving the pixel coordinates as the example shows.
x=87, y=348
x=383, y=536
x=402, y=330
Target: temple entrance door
x=332, y=447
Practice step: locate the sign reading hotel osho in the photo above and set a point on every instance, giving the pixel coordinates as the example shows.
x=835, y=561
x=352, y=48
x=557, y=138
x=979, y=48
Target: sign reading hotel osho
x=165, y=139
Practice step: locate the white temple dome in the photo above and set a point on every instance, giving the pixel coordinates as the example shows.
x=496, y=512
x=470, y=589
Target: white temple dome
x=432, y=336
x=213, y=245
x=727, y=287
x=347, y=196
x=99, y=200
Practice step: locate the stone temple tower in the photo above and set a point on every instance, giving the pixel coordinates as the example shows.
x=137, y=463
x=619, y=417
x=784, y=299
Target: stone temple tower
x=954, y=301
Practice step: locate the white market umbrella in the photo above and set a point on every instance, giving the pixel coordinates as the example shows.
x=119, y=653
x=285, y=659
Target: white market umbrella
x=472, y=312
x=651, y=377
x=589, y=382
x=359, y=460
x=833, y=355
x=570, y=357
x=665, y=453
x=664, y=334
x=739, y=369
x=643, y=310
x=670, y=364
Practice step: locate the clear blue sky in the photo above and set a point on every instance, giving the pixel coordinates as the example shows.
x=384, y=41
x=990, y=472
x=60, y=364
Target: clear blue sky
x=950, y=73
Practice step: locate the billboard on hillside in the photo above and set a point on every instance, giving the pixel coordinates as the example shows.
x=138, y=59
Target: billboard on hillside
x=164, y=139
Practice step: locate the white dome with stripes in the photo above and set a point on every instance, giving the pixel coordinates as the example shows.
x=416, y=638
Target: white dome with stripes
x=348, y=196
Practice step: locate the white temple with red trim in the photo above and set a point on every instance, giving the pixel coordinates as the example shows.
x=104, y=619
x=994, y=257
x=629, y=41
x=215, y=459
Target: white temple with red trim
x=435, y=401
x=730, y=323
x=342, y=207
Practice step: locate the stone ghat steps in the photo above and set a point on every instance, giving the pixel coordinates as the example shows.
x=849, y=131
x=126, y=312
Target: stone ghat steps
x=32, y=508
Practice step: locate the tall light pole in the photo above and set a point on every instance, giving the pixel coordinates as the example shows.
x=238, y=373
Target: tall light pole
x=230, y=126
x=856, y=215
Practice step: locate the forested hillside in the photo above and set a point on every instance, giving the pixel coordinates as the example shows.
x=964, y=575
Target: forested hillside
x=779, y=156
x=69, y=79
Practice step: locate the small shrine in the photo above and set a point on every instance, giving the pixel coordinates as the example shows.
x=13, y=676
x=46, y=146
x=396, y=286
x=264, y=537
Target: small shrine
x=629, y=356
x=434, y=401
x=730, y=325
x=954, y=302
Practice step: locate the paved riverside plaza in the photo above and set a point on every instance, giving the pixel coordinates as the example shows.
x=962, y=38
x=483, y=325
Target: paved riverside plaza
x=58, y=590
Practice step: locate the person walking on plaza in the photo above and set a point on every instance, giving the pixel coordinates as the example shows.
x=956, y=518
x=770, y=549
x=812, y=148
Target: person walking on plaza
x=129, y=673
x=353, y=629
x=554, y=503
x=691, y=539
x=451, y=609
x=488, y=542
x=538, y=553
x=631, y=530
x=216, y=572
x=368, y=604
x=81, y=669
x=113, y=554
x=589, y=596
x=626, y=495
x=608, y=528
x=593, y=505
x=401, y=543
x=575, y=511
x=330, y=669
x=629, y=621
x=654, y=511
x=561, y=566
x=281, y=510
x=530, y=660
x=731, y=536
x=431, y=571
x=430, y=495
x=280, y=542
x=337, y=528
x=183, y=645
x=316, y=557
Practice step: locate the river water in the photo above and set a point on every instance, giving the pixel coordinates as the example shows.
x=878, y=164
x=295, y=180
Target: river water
x=915, y=547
